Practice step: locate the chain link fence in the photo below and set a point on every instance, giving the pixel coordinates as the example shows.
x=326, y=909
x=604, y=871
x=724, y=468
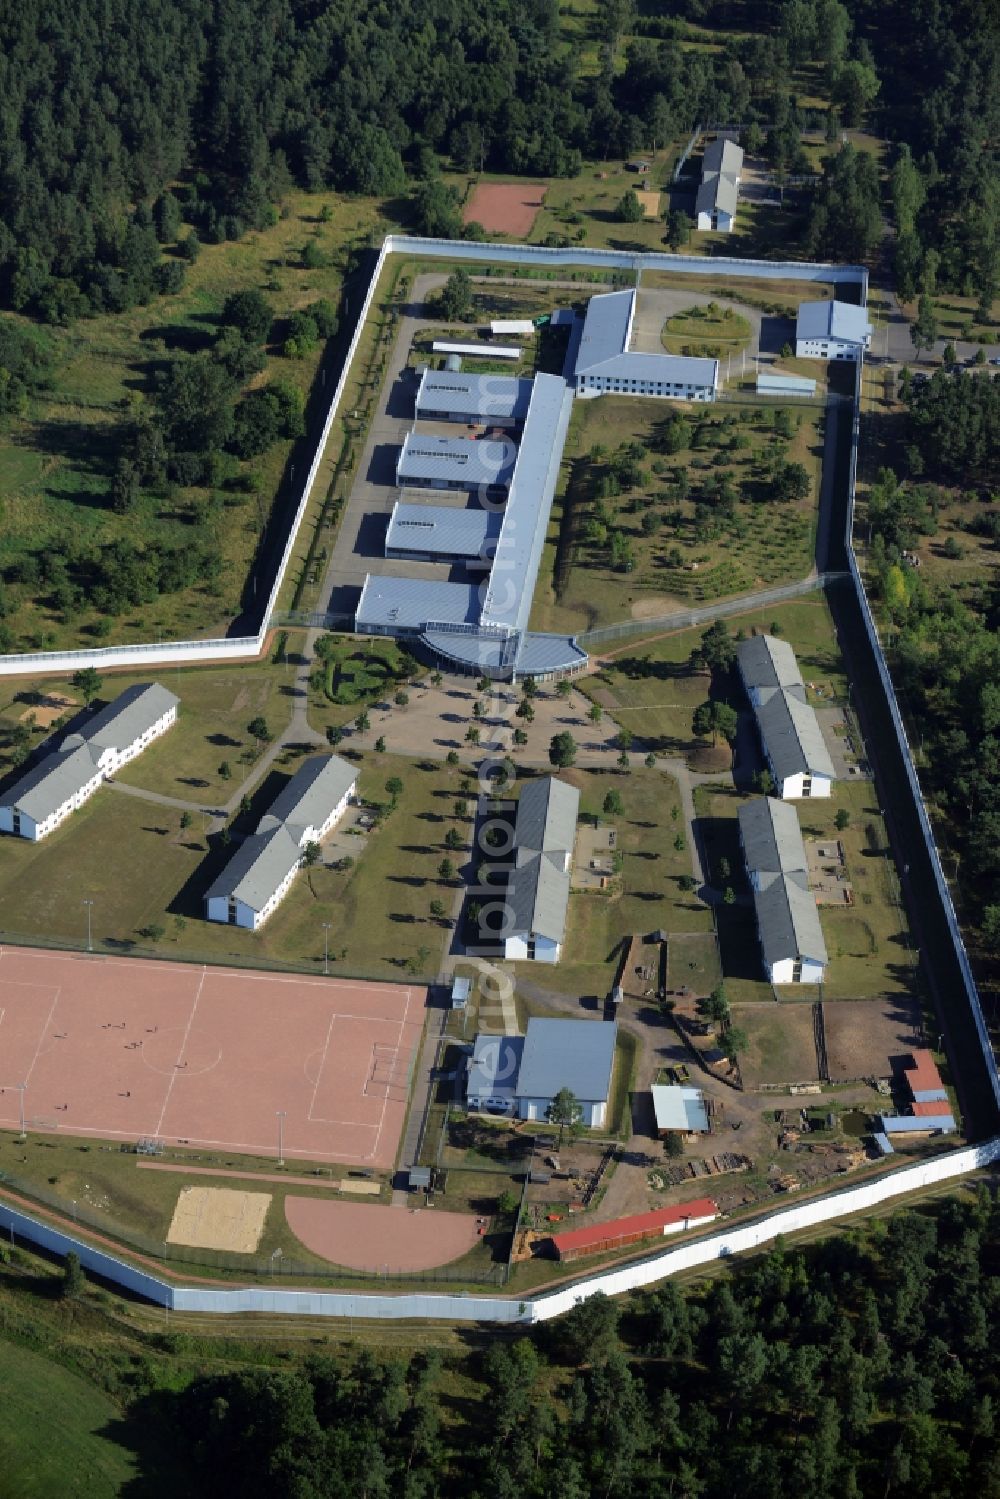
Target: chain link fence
x=686, y=619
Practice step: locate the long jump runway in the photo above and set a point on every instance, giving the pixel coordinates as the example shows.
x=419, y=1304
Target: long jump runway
x=126, y=1049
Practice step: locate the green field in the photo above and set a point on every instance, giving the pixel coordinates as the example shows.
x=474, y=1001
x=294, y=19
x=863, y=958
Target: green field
x=701, y=330
x=58, y=1433
x=649, y=895
x=694, y=548
x=650, y=688
x=217, y=703
x=56, y=461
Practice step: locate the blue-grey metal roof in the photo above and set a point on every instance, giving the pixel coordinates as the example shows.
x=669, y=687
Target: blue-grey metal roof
x=445, y=529
x=794, y=739
x=310, y=796
x=547, y=811
x=529, y=504
x=717, y=190
x=48, y=785
x=915, y=1124
x=785, y=385
x=768, y=663
x=257, y=868
x=771, y=836
x=411, y=603
x=494, y=1065
x=839, y=320
x=574, y=1054
x=930, y=1095
x=679, y=1108
x=606, y=329
x=476, y=398
x=603, y=348
x=501, y=608
x=132, y=713
x=723, y=156
x=787, y=920
x=540, y=654
x=883, y=1143
x=544, y=834
x=461, y=987
x=462, y=461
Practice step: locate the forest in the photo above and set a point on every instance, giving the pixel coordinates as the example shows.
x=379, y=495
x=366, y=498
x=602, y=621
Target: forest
x=865, y=1365
x=119, y=123
x=945, y=638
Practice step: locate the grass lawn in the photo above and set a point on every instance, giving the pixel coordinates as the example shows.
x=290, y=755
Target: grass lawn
x=687, y=541
x=56, y=1432
x=651, y=689
x=56, y=461
x=869, y=946
x=781, y=1049
x=649, y=896
x=700, y=331
x=130, y=858
x=141, y=870
x=217, y=703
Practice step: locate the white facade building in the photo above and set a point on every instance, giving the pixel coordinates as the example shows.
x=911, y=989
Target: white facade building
x=40, y=800
x=792, y=946
x=721, y=167
x=832, y=330
x=538, y=891
x=605, y=365
x=522, y=1075
x=791, y=737
x=258, y=876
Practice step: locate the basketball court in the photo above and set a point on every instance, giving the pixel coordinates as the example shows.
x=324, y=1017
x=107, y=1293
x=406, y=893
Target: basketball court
x=224, y=1059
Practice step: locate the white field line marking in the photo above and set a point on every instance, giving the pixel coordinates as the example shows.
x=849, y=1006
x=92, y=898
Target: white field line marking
x=42, y=1035
x=319, y=1074
x=187, y=1032
x=385, y=1101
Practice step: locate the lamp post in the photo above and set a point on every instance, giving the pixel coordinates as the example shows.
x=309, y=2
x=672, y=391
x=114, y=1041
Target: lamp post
x=326, y=949
x=276, y=1255
x=20, y=1088
x=89, y=905
x=281, y=1136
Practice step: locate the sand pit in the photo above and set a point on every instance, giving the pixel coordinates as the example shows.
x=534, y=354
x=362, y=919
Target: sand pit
x=650, y=204
x=45, y=712
x=219, y=1218
x=505, y=207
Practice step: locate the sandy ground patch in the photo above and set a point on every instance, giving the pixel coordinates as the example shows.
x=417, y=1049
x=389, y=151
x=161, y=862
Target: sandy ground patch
x=650, y=204
x=364, y=1189
x=219, y=1218
x=48, y=709
x=654, y=607
x=505, y=207
x=863, y=1035
x=361, y=1236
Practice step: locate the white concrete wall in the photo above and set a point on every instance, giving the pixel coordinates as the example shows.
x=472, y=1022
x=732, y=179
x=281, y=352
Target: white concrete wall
x=516, y=948
x=738, y=1239
x=217, y=909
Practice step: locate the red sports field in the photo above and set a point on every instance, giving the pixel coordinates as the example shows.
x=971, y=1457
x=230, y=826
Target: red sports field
x=130, y=1050
x=505, y=207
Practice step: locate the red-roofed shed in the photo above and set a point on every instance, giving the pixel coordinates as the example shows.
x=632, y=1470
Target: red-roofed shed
x=923, y=1076
x=930, y=1110
x=600, y=1238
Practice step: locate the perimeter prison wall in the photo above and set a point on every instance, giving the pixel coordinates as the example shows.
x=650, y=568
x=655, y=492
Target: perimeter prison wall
x=451, y=1308
x=249, y=647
